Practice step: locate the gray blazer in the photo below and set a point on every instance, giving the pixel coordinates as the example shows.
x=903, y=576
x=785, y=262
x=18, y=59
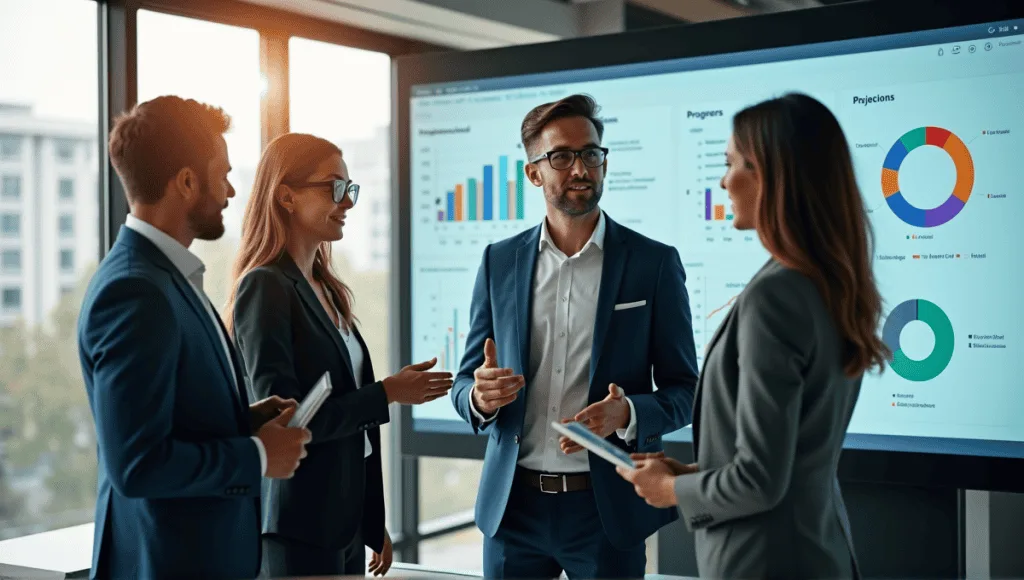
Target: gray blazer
x=770, y=414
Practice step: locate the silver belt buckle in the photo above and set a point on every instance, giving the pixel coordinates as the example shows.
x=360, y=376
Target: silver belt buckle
x=562, y=477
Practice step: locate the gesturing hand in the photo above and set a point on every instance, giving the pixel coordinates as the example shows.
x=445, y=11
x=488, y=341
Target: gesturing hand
x=494, y=387
x=413, y=385
x=602, y=418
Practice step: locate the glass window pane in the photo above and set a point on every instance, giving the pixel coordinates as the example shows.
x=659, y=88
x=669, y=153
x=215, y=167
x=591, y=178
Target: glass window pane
x=218, y=65
x=67, y=226
x=67, y=260
x=10, y=190
x=343, y=95
x=48, y=132
x=462, y=551
x=66, y=189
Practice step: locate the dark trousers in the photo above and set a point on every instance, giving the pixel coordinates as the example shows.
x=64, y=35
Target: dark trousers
x=284, y=557
x=543, y=534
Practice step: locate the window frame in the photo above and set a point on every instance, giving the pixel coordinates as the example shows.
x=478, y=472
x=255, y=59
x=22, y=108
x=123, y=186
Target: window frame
x=117, y=32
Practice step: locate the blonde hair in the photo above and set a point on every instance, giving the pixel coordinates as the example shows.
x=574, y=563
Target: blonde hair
x=292, y=157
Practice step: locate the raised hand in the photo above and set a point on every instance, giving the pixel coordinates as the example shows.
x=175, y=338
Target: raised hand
x=494, y=387
x=602, y=418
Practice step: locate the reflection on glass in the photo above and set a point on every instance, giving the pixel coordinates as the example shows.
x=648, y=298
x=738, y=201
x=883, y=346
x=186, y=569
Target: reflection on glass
x=48, y=135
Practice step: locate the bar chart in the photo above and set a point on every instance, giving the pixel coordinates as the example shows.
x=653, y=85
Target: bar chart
x=450, y=356
x=713, y=211
x=485, y=198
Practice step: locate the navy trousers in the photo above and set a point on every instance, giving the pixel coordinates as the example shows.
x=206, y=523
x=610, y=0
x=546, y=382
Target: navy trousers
x=541, y=535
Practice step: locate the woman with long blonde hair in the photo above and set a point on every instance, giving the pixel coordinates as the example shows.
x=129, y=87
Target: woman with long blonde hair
x=293, y=320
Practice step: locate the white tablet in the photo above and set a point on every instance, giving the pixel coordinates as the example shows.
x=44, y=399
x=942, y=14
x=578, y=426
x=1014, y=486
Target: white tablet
x=311, y=404
x=585, y=437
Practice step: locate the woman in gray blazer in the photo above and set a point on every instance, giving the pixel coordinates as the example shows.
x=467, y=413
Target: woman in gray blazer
x=782, y=373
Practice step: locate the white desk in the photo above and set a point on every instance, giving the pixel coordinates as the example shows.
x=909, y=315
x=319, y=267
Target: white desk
x=53, y=555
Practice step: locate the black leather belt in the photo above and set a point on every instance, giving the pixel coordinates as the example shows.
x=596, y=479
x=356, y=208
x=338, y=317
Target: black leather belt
x=553, y=482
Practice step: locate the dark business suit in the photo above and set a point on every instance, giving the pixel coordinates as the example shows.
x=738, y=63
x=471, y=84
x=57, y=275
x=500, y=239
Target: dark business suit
x=335, y=501
x=773, y=405
x=629, y=346
x=179, y=476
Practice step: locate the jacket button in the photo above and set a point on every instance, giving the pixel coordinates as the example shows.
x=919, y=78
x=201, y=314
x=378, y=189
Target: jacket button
x=517, y=438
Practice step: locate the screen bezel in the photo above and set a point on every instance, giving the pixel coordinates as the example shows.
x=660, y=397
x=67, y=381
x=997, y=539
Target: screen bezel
x=785, y=29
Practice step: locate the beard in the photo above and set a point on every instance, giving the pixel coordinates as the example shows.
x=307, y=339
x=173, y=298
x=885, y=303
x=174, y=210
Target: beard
x=575, y=203
x=205, y=217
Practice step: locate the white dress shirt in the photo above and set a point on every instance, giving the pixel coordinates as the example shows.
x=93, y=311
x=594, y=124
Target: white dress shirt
x=355, y=352
x=562, y=318
x=192, y=268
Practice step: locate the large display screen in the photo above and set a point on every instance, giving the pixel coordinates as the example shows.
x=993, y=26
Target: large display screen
x=935, y=122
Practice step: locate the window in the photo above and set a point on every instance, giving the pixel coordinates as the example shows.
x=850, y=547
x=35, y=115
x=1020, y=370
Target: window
x=323, y=103
x=220, y=65
x=66, y=189
x=10, y=225
x=65, y=150
x=10, y=261
x=10, y=190
x=10, y=147
x=11, y=299
x=66, y=225
x=48, y=458
x=67, y=260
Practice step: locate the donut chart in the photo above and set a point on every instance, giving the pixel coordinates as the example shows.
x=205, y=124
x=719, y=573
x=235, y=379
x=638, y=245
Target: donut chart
x=957, y=151
x=930, y=314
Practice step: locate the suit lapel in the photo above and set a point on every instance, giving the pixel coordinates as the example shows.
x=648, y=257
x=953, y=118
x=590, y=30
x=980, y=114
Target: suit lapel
x=312, y=304
x=615, y=255
x=526, y=261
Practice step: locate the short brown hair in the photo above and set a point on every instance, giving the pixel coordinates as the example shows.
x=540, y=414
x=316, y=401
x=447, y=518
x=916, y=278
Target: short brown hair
x=572, y=106
x=150, y=144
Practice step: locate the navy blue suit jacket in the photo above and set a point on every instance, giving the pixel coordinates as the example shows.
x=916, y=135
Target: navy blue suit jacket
x=179, y=477
x=628, y=344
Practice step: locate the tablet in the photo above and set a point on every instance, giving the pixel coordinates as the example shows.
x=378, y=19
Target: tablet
x=585, y=437
x=311, y=404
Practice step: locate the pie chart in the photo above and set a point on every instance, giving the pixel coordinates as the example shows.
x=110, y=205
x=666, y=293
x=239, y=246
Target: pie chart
x=962, y=161
x=930, y=314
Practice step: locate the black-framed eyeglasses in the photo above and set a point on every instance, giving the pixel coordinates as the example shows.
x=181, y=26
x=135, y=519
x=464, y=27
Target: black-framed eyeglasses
x=564, y=158
x=339, y=188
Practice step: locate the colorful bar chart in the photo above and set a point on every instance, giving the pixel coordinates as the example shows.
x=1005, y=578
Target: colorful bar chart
x=476, y=199
x=713, y=211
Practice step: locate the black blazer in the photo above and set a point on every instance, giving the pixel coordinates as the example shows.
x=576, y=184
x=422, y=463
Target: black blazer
x=288, y=342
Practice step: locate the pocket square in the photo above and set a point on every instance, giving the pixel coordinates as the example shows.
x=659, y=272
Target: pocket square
x=628, y=305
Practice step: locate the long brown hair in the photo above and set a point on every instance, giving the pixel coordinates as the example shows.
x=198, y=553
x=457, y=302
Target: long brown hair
x=811, y=216
x=291, y=158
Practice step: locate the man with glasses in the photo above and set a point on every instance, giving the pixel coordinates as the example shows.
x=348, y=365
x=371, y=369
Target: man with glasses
x=580, y=312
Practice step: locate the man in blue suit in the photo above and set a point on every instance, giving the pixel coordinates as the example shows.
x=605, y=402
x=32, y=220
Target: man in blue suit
x=581, y=310
x=179, y=467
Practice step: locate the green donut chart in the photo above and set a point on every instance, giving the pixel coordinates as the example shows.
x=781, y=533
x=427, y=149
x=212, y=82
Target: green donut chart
x=930, y=314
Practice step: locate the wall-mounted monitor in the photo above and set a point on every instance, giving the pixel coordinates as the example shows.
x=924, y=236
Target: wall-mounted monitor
x=931, y=97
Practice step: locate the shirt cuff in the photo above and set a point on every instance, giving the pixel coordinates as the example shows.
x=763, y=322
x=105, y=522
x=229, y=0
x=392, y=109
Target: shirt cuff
x=263, y=455
x=629, y=433
x=479, y=416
